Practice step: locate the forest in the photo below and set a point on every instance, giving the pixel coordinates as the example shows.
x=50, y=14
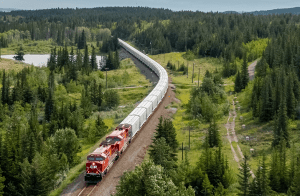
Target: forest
x=37, y=115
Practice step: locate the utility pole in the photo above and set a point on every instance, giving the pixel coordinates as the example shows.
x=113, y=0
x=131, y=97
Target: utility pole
x=187, y=75
x=178, y=66
x=151, y=47
x=106, y=76
x=185, y=41
x=193, y=73
x=0, y=50
x=189, y=137
x=182, y=150
x=198, y=78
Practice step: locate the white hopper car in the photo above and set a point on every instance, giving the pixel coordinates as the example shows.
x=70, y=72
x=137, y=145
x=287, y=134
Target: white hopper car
x=140, y=114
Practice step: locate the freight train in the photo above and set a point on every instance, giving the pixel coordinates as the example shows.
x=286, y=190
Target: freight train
x=102, y=159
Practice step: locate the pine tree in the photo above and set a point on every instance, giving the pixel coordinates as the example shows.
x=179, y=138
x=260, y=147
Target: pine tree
x=221, y=191
x=94, y=65
x=101, y=128
x=260, y=184
x=281, y=127
x=238, y=85
x=278, y=90
x=109, y=61
x=207, y=187
x=79, y=60
x=213, y=135
x=86, y=64
x=167, y=131
x=244, y=73
x=266, y=105
x=294, y=189
x=244, y=178
x=290, y=98
x=85, y=103
x=2, y=180
x=52, y=60
x=4, y=87
x=33, y=177
x=116, y=60
x=19, y=54
x=49, y=106
x=278, y=171
x=81, y=41
x=161, y=154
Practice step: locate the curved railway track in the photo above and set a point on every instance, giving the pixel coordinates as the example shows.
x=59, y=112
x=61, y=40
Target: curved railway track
x=133, y=155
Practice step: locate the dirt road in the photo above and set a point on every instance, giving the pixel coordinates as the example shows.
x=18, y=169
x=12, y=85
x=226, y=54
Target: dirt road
x=251, y=69
x=231, y=136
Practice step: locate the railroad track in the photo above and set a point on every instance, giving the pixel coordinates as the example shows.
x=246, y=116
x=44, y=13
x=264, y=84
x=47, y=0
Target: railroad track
x=132, y=156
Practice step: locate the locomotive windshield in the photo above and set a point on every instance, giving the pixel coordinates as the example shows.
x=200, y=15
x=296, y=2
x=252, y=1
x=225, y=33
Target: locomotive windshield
x=99, y=159
x=91, y=158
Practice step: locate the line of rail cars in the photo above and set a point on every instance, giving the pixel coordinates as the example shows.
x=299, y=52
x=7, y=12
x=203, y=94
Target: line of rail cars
x=101, y=160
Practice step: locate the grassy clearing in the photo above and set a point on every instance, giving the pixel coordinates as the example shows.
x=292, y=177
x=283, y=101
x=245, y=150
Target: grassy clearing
x=180, y=119
x=9, y=64
x=40, y=47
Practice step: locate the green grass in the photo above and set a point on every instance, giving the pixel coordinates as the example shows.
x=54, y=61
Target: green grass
x=9, y=64
x=181, y=119
x=41, y=47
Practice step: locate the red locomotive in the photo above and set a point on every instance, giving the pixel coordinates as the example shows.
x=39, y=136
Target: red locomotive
x=101, y=160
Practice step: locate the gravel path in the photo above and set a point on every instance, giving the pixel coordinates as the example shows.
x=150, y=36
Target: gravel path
x=231, y=136
x=134, y=155
x=251, y=70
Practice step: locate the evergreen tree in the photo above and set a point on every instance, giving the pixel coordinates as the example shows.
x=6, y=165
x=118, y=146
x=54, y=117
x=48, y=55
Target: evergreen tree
x=116, y=60
x=260, y=184
x=278, y=170
x=244, y=73
x=213, y=135
x=207, y=187
x=4, y=97
x=33, y=177
x=101, y=128
x=281, y=127
x=82, y=41
x=85, y=103
x=79, y=60
x=19, y=54
x=2, y=180
x=161, y=154
x=166, y=129
x=294, y=189
x=52, y=60
x=261, y=68
x=290, y=98
x=266, y=99
x=49, y=106
x=111, y=98
x=238, y=84
x=221, y=191
x=109, y=61
x=86, y=64
x=94, y=65
x=244, y=178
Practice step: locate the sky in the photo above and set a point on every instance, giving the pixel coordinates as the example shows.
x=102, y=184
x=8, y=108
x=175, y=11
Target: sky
x=176, y=5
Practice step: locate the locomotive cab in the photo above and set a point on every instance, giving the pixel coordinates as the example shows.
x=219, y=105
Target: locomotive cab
x=96, y=165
